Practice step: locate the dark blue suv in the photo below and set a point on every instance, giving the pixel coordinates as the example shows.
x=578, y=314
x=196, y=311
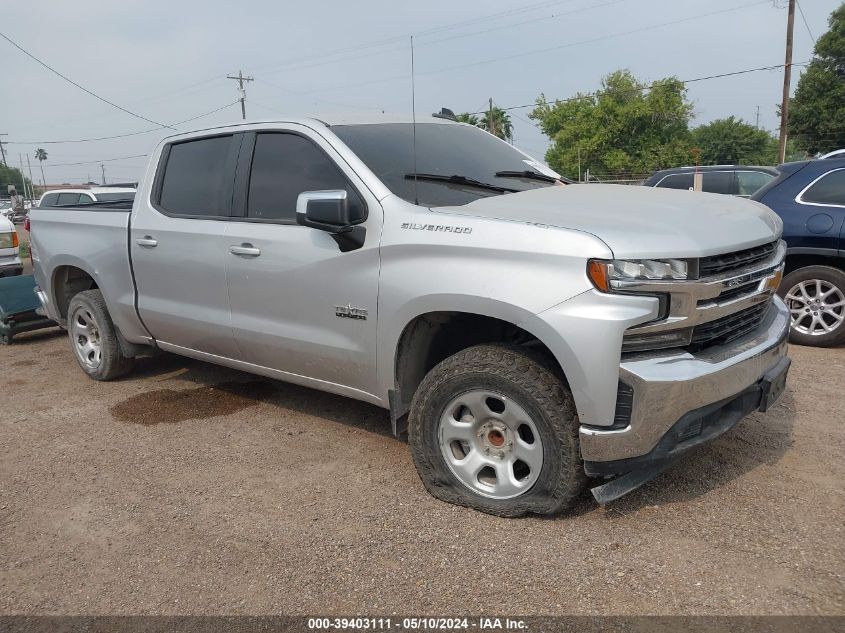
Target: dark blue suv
x=810, y=198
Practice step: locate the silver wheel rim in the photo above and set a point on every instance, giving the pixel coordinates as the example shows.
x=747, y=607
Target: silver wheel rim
x=490, y=444
x=816, y=306
x=85, y=336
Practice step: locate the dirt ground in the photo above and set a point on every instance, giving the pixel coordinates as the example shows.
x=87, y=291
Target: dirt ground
x=192, y=489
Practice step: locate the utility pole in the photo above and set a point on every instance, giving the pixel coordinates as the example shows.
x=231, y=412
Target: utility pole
x=787, y=76
x=3, y=151
x=31, y=181
x=757, y=124
x=26, y=194
x=241, y=79
x=490, y=117
x=103, y=168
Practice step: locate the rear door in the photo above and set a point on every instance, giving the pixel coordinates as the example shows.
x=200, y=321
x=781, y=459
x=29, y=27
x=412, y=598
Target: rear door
x=178, y=246
x=299, y=304
x=824, y=202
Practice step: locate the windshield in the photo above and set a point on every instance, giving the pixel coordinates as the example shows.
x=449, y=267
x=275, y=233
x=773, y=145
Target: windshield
x=115, y=197
x=442, y=150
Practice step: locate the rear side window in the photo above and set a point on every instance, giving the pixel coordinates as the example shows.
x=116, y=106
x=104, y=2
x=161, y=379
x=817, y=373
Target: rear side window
x=285, y=165
x=196, y=175
x=677, y=181
x=829, y=189
x=68, y=199
x=718, y=182
x=49, y=200
x=748, y=182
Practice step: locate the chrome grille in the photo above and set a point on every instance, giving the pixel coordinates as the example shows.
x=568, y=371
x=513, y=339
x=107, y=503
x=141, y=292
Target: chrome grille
x=728, y=328
x=717, y=264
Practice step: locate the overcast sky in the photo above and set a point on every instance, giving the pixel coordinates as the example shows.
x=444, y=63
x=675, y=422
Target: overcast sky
x=167, y=61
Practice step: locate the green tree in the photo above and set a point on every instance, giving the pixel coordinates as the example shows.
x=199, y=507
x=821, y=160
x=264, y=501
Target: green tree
x=732, y=141
x=625, y=128
x=466, y=117
x=817, y=111
x=502, y=126
x=41, y=155
x=13, y=176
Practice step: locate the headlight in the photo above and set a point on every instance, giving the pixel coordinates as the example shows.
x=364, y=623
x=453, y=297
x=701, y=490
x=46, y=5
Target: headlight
x=603, y=272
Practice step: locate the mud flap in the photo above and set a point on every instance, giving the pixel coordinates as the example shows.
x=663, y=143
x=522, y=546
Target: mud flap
x=624, y=484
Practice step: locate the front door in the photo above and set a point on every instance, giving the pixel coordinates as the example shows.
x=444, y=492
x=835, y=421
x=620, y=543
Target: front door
x=299, y=304
x=179, y=248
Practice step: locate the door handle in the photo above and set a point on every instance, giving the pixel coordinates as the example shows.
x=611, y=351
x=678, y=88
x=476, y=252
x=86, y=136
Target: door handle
x=245, y=250
x=146, y=241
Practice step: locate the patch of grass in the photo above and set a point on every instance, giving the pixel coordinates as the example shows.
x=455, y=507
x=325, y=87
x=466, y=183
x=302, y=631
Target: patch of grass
x=24, y=249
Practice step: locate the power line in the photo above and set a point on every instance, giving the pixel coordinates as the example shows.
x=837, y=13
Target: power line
x=404, y=38
x=804, y=19
x=590, y=95
x=107, y=138
x=449, y=38
x=81, y=87
x=537, y=51
x=102, y=160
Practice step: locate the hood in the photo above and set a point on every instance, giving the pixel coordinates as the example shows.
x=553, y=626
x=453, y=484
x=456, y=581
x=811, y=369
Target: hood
x=638, y=222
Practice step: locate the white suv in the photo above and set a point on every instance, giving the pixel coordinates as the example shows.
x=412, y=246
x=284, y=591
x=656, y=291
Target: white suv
x=73, y=197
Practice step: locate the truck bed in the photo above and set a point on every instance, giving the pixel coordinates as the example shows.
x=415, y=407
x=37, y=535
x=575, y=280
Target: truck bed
x=92, y=238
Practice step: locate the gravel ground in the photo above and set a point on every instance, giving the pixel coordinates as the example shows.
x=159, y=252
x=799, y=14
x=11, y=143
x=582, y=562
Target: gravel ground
x=192, y=489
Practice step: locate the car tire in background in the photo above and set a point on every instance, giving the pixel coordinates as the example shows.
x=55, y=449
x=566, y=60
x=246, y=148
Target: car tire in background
x=93, y=337
x=495, y=428
x=815, y=296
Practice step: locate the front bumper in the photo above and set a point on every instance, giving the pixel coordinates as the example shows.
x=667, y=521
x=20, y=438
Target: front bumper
x=681, y=400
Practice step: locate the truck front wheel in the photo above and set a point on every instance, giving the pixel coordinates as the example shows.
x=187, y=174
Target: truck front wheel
x=93, y=337
x=495, y=429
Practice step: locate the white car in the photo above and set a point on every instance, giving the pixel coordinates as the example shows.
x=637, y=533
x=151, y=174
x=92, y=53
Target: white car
x=73, y=197
x=837, y=153
x=10, y=261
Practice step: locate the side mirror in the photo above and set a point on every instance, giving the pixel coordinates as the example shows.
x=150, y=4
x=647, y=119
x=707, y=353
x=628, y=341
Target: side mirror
x=324, y=210
x=329, y=211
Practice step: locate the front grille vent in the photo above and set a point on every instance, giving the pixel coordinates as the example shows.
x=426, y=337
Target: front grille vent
x=718, y=264
x=728, y=328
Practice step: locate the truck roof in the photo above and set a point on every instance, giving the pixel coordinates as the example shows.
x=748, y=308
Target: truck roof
x=328, y=120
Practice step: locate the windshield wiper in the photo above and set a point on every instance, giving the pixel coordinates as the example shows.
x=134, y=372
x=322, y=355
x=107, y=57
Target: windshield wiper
x=457, y=179
x=530, y=175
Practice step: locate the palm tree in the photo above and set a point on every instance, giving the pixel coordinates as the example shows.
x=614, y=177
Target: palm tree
x=466, y=117
x=41, y=155
x=502, y=126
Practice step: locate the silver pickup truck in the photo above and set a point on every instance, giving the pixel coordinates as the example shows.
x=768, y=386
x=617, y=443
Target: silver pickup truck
x=528, y=334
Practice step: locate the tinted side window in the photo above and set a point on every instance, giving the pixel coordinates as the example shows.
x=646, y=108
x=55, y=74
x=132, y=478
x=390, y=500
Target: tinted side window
x=749, y=182
x=67, y=199
x=830, y=189
x=195, y=177
x=718, y=182
x=677, y=181
x=49, y=200
x=285, y=165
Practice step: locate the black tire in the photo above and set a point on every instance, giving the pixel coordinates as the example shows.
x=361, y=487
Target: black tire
x=528, y=379
x=112, y=363
x=827, y=275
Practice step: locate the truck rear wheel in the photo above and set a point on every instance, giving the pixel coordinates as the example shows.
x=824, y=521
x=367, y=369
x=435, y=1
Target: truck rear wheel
x=815, y=296
x=93, y=337
x=494, y=429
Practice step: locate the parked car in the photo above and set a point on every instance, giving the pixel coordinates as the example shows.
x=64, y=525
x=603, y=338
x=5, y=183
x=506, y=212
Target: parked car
x=810, y=198
x=837, y=153
x=71, y=197
x=736, y=180
x=527, y=333
x=10, y=261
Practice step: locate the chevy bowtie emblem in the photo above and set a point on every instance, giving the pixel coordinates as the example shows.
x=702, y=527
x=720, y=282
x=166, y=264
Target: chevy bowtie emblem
x=348, y=312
